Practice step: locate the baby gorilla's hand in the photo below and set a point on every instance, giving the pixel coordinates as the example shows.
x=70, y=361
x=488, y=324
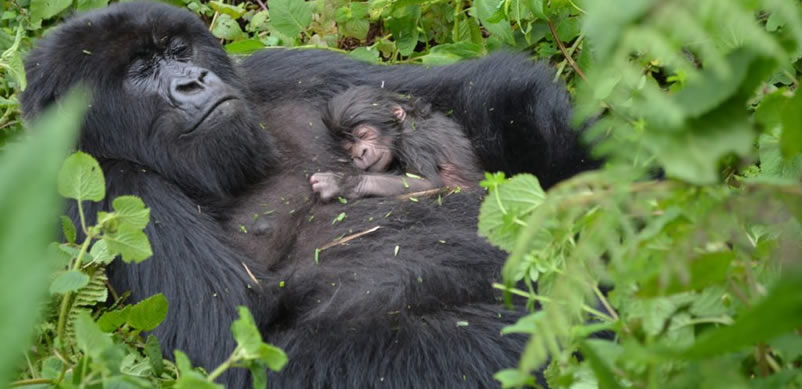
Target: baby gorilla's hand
x=327, y=184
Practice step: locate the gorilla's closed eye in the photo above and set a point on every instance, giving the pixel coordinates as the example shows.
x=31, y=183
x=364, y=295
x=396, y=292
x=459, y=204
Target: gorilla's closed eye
x=179, y=49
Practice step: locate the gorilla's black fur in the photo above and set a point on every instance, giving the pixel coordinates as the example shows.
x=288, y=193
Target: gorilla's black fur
x=217, y=149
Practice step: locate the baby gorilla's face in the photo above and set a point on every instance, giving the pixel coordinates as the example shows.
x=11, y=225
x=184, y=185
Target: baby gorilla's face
x=369, y=149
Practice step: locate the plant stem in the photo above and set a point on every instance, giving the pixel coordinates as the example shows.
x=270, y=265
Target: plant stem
x=65, y=301
x=31, y=381
x=223, y=366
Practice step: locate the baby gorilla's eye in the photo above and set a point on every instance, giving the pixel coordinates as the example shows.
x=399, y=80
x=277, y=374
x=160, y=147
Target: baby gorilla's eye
x=347, y=145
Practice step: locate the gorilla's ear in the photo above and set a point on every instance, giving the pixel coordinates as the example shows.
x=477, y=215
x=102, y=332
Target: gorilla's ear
x=418, y=107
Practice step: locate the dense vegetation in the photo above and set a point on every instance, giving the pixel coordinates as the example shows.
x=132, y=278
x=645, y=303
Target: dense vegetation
x=694, y=277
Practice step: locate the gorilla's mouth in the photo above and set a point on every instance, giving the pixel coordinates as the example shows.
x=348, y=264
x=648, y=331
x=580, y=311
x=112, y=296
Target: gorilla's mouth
x=209, y=112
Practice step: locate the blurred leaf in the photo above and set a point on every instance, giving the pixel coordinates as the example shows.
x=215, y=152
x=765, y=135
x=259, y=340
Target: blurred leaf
x=367, y=54
x=704, y=270
x=28, y=211
x=68, y=227
x=86, y=5
x=46, y=9
x=90, y=339
x=778, y=313
x=791, y=138
x=597, y=362
x=405, y=29
x=148, y=313
x=111, y=320
x=245, y=46
x=153, y=351
x=503, y=208
x=234, y=11
x=227, y=28
x=290, y=17
x=81, y=178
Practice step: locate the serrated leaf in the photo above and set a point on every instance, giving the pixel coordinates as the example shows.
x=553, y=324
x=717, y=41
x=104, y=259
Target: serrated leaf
x=130, y=243
x=704, y=270
x=131, y=210
x=100, y=252
x=148, y=313
x=69, y=281
x=405, y=31
x=68, y=227
x=514, y=200
x=90, y=339
x=290, y=17
x=81, y=178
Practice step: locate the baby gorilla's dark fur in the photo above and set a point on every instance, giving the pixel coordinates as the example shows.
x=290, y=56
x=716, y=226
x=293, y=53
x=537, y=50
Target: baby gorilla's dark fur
x=386, y=135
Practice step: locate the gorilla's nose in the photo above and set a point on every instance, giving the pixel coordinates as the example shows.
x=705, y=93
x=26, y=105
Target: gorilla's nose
x=196, y=88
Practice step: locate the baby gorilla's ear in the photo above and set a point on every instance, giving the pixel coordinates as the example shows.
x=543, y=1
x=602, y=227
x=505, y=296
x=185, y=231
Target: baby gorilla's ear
x=399, y=112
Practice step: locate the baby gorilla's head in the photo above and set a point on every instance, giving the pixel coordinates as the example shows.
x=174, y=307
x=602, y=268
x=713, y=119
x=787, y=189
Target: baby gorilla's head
x=368, y=122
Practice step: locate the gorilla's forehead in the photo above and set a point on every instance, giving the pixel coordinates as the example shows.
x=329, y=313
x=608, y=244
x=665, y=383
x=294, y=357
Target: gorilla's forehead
x=124, y=30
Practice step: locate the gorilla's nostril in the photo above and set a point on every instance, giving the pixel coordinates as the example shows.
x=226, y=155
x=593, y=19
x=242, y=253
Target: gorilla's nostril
x=188, y=87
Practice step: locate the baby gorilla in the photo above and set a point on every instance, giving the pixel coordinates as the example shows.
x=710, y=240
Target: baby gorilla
x=384, y=132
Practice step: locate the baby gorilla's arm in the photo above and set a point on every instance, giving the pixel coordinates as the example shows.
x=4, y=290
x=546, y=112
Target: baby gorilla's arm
x=330, y=185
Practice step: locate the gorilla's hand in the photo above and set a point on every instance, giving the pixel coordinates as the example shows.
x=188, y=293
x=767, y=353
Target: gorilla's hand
x=327, y=184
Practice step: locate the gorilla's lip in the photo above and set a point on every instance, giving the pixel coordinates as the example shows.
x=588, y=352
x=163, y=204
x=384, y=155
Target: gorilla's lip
x=209, y=112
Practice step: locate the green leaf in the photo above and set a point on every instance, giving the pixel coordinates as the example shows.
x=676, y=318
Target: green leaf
x=68, y=227
x=227, y=28
x=791, y=138
x=513, y=378
x=86, y=5
x=404, y=27
x=46, y=9
x=28, y=209
x=780, y=312
x=367, y=54
x=81, y=178
x=246, y=333
x=69, y=281
x=153, y=350
x=100, y=252
x=272, y=356
x=90, y=339
x=488, y=13
x=148, y=313
x=704, y=270
x=131, y=210
x=188, y=378
x=514, y=200
x=245, y=46
x=234, y=11
x=290, y=17
x=112, y=320
x=130, y=243
x=601, y=368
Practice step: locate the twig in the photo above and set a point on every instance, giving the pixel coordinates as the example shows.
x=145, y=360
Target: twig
x=32, y=381
x=261, y=4
x=564, y=51
x=428, y=192
x=249, y=273
x=348, y=238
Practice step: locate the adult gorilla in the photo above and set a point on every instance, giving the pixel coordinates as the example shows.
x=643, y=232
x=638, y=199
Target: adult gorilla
x=216, y=148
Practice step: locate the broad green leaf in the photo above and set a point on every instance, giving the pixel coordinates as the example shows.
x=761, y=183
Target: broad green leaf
x=227, y=28
x=130, y=243
x=234, y=11
x=11, y=61
x=367, y=54
x=513, y=378
x=599, y=364
x=86, y=5
x=404, y=27
x=780, y=312
x=90, y=339
x=69, y=281
x=131, y=210
x=246, y=333
x=488, y=13
x=272, y=356
x=68, y=227
x=188, y=378
x=504, y=209
x=29, y=209
x=246, y=46
x=100, y=252
x=112, y=320
x=81, y=178
x=148, y=313
x=290, y=17
x=46, y=9
x=711, y=89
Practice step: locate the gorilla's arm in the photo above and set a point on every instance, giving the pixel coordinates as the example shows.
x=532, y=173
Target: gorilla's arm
x=203, y=279
x=517, y=119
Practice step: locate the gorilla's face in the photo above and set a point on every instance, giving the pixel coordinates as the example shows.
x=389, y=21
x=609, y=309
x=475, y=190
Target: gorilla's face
x=165, y=95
